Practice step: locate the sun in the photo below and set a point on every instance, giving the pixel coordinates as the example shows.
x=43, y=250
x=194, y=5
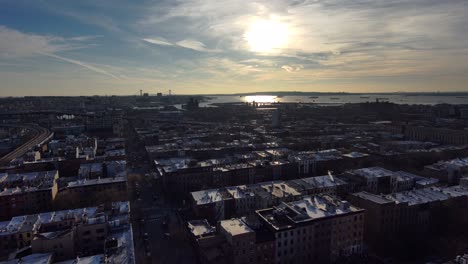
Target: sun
x=266, y=35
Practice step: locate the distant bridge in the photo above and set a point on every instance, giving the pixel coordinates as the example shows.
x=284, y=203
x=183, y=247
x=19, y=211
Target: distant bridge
x=43, y=112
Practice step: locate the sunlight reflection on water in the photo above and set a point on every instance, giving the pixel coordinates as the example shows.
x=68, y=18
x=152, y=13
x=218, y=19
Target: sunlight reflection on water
x=261, y=98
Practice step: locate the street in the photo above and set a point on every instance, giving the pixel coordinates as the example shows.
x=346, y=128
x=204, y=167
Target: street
x=159, y=231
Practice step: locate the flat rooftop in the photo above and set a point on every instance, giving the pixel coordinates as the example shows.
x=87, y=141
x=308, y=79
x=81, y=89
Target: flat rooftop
x=323, y=181
x=279, y=189
x=41, y=258
x=209, y=196
x=442, y=165
x=416, y=197
x=373, y=172
x=96, y=259
x=288, y=215
x=379, y=199
x=239, y=192
x=87, y=182
x=355, y=155
x=235, y=227
x=10, y=178
x=200, y=228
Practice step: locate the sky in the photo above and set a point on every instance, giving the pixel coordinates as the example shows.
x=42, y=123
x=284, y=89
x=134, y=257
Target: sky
x=97, y=47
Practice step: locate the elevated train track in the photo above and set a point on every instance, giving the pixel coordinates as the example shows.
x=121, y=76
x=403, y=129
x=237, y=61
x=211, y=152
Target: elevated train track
x=40, y=136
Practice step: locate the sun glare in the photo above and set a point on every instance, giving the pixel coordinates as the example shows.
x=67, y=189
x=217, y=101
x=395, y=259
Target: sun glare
x=267, y=35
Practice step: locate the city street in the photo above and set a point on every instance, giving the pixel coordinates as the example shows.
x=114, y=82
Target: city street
x=159, y=232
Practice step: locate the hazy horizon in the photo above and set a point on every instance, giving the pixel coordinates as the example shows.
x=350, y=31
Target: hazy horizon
x=229, y=46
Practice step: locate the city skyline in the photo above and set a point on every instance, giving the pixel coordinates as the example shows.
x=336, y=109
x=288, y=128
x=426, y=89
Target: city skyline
x=223, y=47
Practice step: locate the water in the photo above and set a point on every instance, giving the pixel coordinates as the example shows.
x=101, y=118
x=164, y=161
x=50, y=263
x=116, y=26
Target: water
x=342, y=99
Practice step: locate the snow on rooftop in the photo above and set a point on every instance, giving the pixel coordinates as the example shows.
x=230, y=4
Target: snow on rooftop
x=323, y=181
x=460, y=163
x=241, y=191
x=373, y=172
x=26, y=177
x=86, y=182
x=235, y=227
x=96, y=259
x=355, y=155
x=310, y=208
x=200, y=227
x=279, y=189
x=420, y=196
x=41, y=258
x=427, y=181
x=207, y=196
x=315, y=207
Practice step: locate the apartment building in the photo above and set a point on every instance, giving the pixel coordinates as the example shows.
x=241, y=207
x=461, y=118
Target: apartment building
x=27, y=193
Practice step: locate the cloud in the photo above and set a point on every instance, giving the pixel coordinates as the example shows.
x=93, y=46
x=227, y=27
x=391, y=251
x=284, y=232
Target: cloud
x=158, y=41
x=84, y=38
x=328, y=40
x=186, y=43
x=194, y=45
x=292, y=68
x=325, y=32
x=82, y=64
x=14, y=44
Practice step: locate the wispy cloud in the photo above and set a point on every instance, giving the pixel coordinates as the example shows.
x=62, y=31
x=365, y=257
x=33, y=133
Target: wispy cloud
x=158, y=41
x=82, y=64
x=341, y=32
x=203, y=42
x=15, y=44
x=194, y=45
x=292, y=68
x=186, y=43
x=84, y=38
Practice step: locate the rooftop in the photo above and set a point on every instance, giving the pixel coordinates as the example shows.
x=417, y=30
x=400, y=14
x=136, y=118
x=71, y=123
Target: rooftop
x=208, y=196
x=287, y=215
x=323, y=181
x=279, y=189
x=200, y=228
x=86, y=182
x=96, y=259
x=355, y=155
x=416, y=197
x=235, y=227
x=241, y=191
x=443, y=165
x=9, y=179
x=42, y=258
x=373, y=172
